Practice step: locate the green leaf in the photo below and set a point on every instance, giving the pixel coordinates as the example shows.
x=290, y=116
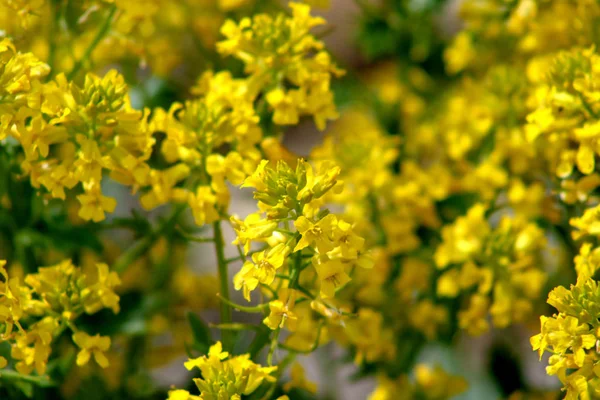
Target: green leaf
x=26, y=388
x=201, y=333
x=260, y=341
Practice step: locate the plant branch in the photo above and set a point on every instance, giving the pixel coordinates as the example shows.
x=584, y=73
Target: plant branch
x=97, y=39
x=223, y=283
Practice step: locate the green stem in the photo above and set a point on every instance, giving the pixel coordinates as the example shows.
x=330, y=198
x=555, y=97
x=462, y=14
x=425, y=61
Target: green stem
x=224, y=284
x=41, y=381
x=143, y=245
x=133, y=253
x=56, y=8
x=295, y=275
x=97, y=39
x=192, y=238
x=274, y=342
x=234, y=259
x=314, y=346
x=280, y=368
x=305, y=292
x=587, y=106
x=236, y=327
x=376, y=219
x=250, y=309
x=270, y=289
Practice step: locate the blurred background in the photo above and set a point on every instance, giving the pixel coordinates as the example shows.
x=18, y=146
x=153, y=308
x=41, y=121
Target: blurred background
x=365, y=40
x=370, y=39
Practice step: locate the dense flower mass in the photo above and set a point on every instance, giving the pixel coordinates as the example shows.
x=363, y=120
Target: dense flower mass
x=454, y=187
x=37, y=311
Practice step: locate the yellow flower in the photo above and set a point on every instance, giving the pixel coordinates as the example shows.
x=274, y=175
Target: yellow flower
x=281, y=310
x=348, y=244
x=204, y=205
x=180, y=394
x=571, y=336
x=460, y=54
x=438, y=384
x=32, y=348
x=261, y=269
x=286, y=106
x=473, y=319
x=463, y=238
x=100, y=291
x=332, y=276
x=163, y=187
x=230, y=167
x=14, y=300
x=319, y=183
x=230, y=5
x=225, y=377
x=428, y=317
x=256, y=180
x=96, y=345
x=578, y=191
x=587, y=262
x=587, y=224
x=279, y=52
x=299, y=381
x=90, y=161
x=215, y=355
x=253, y=228
x=94, y=204
x=318, y=234
x=372, y=339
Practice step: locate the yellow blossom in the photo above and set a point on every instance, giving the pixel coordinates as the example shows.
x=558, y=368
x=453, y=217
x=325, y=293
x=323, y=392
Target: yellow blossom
x=318, y=234
x=299, y=381
x=281, y=310
x=91, y=345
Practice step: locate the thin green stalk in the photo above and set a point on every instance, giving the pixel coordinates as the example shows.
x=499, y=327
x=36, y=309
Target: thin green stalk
x=192, y=238
x=236, y=327
x=143, y=245
x=133, y=253
x=295, y=275
x=305, y=292
x=280, y=368
x=41, y=381
x=376, y=219
x=56, y=8
x=587, y=106
x=314, y=346
x=274, y=342
x=250, y=309
x=227, y=336
x=97, y=39
x=242, y=256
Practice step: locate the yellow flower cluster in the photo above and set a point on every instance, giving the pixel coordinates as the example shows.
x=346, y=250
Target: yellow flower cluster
x=554, y=130
x=71, y=134
x=224, y=377
x=571, y=336
x=223, y=114
x=35, y=312
x=365, y=161
x=567, y=111
x=285, y=61
x=529, y=25
x=429, y=383
x=431, y=210
x=502, y=264
x=321, y=240
x=160, y=34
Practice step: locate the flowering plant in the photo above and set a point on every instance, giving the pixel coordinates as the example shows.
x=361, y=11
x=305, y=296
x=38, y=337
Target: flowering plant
x=453, y=190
